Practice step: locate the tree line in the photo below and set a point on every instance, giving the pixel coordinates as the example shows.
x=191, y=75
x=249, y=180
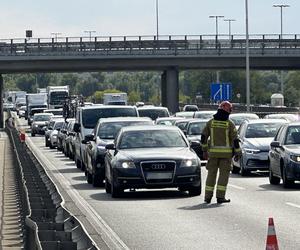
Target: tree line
x=194, y=85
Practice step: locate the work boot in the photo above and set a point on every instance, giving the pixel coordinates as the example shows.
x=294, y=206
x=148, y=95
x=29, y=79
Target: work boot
x=222, y=200
x=207, y=200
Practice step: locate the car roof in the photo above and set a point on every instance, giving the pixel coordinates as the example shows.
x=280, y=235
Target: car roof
x=198, y=120
x=243, y=114
x=206, y=111
x=43, y=114
x=266, y=121
x=149, y=127
x=169, y=118
x=152, y=107
x=293, y=124
x=125, y=119
x=106, y=107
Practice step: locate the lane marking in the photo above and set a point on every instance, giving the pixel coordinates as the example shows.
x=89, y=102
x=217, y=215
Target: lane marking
x=110, y=237
x=237, y=187
x=292, y=204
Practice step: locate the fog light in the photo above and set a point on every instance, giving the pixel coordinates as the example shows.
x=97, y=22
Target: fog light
x=98, y=165
x=191, y=179
x=124, y=181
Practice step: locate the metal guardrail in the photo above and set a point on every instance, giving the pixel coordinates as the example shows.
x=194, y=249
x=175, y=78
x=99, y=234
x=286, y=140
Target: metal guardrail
x=48, y=225
x=150, y=45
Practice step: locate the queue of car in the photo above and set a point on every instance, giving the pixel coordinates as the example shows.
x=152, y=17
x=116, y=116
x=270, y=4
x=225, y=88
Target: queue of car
x=129, y=147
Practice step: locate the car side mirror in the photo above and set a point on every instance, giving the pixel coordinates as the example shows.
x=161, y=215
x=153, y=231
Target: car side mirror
x=76, y=127
x=89, y=137
x=58, y=129
x=110, y=146
x=275, y=144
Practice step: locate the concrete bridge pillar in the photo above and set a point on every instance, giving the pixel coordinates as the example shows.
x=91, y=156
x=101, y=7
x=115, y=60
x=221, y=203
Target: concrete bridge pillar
x=170, y=89
x=1, y=103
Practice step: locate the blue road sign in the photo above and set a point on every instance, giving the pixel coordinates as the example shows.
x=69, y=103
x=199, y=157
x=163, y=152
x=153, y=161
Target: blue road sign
x=221, y=91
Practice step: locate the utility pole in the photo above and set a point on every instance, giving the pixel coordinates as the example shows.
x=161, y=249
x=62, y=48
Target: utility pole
x=281, y=6
x=217, y=33
x=247, y=60
x=229, y=26
x=90, y=33
x=156, y=19
x=55, y=34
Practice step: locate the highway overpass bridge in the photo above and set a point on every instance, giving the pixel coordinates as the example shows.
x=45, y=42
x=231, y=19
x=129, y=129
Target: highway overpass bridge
x=168, y=54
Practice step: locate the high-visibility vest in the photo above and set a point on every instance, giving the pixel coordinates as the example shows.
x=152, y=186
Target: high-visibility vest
x=219, y=137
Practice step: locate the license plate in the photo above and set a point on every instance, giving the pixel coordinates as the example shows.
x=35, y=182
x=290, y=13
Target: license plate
x=159, y=175
x=263, y=157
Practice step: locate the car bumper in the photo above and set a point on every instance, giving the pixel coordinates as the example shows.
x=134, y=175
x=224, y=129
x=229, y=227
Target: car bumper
x=258, y=161
x=39, y=130
x=293, y=170
x=136, y=178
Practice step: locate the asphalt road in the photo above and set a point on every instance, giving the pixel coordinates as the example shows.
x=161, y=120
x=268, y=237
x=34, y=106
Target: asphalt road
x=168, y=219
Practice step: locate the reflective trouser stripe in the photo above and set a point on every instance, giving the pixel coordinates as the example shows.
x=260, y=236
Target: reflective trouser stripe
x=221, y=188
x=209, y=188
x=220, y=150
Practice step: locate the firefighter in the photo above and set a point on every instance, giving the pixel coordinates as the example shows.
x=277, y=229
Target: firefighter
x=219, y=143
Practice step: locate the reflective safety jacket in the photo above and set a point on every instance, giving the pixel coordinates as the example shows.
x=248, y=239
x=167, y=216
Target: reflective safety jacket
x=220, y=139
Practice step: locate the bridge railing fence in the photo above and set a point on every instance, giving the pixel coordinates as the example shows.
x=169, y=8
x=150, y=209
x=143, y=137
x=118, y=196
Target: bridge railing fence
x=175, y=44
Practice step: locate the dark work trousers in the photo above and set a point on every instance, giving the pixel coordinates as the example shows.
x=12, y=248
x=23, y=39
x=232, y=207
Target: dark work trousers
x=223, y=165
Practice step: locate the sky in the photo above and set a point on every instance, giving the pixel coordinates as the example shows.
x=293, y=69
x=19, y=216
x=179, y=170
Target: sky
x=72, y=18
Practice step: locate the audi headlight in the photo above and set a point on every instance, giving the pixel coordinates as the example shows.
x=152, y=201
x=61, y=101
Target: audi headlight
x=35, y=125
x=295, y=158
x=127, y=164
x=189, y=163
x=251, y=151
x=54, y=136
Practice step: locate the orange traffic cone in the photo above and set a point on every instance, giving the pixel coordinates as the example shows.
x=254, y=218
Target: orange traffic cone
x=272, y=243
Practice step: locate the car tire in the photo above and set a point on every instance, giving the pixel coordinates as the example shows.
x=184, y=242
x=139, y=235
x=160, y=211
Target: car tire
x=116, y=191
x=78, y=163
x=107, y=186
x=287, y=183
x=89, y=177
x=97, y=181
x=274, y=180
x=32, y=134
x=235, y=169
x=194, y=191
x=46, y=142
x=243, y=170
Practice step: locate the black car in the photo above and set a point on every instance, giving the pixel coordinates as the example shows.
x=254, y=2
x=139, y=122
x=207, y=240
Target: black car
x=284, y=155
x=193, y=133
x=104, y=133
x=151, y=157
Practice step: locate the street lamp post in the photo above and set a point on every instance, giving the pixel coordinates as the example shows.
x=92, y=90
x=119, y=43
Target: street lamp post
x=156, y=8
x=247, y=60
x=216, y=17
x=281, y=6
x=90, y=33
x=55, y=34
x=229, y=26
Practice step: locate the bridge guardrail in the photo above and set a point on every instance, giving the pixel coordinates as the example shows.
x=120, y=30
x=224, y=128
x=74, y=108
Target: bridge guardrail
x=260, y=44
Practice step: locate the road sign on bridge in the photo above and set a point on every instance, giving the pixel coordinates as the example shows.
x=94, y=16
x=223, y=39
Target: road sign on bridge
x=220, y=91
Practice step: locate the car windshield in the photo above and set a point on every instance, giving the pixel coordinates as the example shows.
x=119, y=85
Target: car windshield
x=58, y=97
x=293, y=135
x=237, y=120
x=151, y=139
x=109, y=130
x=261, y=130
x=166, y=122
x=181, y=125
x=153, y=113
x=42, y=117
x=91, y=116
x=204, y=115
x=58, y=125
x=196, y=128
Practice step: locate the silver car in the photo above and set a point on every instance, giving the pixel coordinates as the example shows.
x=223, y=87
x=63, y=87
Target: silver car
x=255, y=138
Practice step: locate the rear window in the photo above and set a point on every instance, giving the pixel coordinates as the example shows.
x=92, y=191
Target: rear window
x=153, y=113
x=90, y=117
